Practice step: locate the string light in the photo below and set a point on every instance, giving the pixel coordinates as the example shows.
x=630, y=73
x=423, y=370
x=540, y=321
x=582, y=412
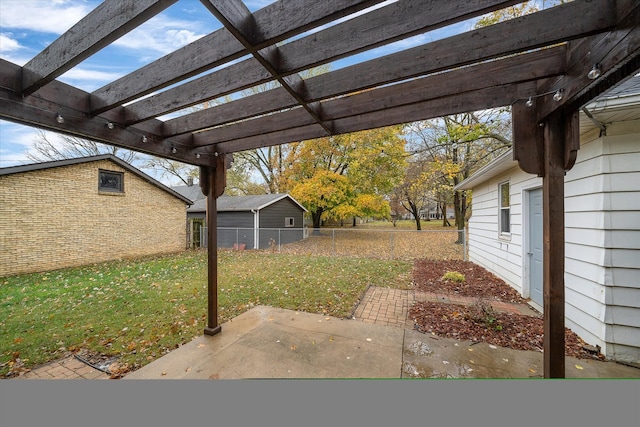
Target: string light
x=197, y=155
x=144, y=138
x=595, y=72
x=110, y=125
x=59, y=118
x=558, y=95
x=174, y=150
x=529, y=102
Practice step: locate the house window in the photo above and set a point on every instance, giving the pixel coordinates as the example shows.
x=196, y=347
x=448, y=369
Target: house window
x=110, y=181
x=504, y=215
x=289, y=221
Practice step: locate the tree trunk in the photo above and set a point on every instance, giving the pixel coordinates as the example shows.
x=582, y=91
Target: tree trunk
x=416, y=215
x=316, y=216
x=443, y=212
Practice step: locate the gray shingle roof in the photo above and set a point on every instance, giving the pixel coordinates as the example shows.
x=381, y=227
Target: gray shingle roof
x=242, y=203
x=191, y=192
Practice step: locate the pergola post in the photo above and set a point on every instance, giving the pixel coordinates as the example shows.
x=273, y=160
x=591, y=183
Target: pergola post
x=553, y=245
x=212, y=183
x=548, y=149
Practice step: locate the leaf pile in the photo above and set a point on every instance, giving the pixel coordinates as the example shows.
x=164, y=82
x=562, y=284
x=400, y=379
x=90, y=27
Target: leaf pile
x=428, y=276
x=475, y=322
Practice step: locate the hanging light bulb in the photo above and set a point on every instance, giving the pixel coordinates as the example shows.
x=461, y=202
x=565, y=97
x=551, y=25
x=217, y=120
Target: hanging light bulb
x=59, y=118
x=173, y=150
x=197, y=155
x=144, y=138
x=529, y=102
x=595, y=72
x=558, y=95
x=110, y=125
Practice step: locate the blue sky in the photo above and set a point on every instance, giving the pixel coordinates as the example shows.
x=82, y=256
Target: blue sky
x=28, y=26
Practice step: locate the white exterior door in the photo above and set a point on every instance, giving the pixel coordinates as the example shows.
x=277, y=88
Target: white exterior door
x=534, y=250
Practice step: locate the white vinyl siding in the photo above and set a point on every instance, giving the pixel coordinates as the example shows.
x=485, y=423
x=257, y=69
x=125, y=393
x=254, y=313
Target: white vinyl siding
x=602, y=235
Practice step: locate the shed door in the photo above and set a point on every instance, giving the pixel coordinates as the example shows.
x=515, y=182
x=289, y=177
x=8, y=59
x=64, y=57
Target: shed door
x=534, y=252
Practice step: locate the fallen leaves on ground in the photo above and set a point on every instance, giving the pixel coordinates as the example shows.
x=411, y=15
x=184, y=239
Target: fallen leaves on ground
x=428, y=273
x=478, y=322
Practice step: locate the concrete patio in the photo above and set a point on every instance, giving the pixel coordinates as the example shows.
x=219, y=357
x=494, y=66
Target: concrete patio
x=268, y=342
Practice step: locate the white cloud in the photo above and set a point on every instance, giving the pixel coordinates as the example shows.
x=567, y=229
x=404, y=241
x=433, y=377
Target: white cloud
x=8, y=44
x=45, y=16
x=90, y=75
x=160, y=34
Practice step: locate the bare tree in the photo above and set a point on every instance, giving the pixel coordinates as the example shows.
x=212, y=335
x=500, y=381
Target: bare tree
x=44, y=149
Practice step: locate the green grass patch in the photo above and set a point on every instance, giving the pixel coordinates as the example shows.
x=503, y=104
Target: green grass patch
x=139, y=310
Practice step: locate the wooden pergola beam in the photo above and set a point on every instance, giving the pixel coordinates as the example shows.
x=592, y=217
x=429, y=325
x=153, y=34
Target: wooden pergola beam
x=278, y=21
x=617, y=53
x=523, y=68
x=556, y=25
x=470, y=101
x=106, y=23
x=480, y=45
x=71, y=103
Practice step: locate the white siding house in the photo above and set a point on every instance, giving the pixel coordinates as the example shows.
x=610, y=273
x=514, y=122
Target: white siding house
x=602, y=226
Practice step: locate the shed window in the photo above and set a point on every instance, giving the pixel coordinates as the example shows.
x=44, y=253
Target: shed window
x=111, y=181
x=289, y=221
x=504, y=215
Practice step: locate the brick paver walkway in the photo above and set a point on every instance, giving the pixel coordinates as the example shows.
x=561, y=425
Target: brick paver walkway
x=390, y=307
x=68, y=368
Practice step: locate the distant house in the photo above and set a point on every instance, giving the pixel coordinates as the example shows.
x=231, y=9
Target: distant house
x=73, y=212
x=255, y=222
x=602, y=225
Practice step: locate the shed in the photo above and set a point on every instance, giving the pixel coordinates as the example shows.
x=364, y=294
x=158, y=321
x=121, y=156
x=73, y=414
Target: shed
x=256, y=222
x=602, y=216
x=79, y=211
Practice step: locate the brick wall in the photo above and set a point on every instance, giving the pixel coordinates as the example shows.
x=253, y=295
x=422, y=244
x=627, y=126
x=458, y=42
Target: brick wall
x=56, y=218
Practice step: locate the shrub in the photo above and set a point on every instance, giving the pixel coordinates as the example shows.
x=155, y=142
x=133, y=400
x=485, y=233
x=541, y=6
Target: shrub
x=454, y=276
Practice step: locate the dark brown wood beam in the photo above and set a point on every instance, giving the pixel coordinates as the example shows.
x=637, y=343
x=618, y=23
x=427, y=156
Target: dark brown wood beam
x=251, y=106
x=573, y=20
x=555, y=25
x=617, y=53
x=40, y=109
x=528, y=138
x=235, y=16
x=553, y=245
x=333, y=43
x=209, y=185
x=399, y=20
x=470, y=101
x=240, y=76
x=106, y=23
x=522, y=68
x=277, y=21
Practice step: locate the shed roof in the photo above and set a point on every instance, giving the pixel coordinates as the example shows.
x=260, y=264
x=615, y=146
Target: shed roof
x=79, y=160
x=244, y=203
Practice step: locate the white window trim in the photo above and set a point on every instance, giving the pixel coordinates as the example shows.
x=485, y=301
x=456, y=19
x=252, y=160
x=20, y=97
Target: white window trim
x=289, y=221
x=501, y=233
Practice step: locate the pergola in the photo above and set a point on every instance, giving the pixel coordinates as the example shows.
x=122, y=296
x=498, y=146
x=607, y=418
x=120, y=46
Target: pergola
x=560, y=58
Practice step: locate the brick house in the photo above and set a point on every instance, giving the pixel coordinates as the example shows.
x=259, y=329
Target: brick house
x=79, y=211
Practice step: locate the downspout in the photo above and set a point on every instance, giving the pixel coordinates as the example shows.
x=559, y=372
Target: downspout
x=256, y=228
x=603, y=128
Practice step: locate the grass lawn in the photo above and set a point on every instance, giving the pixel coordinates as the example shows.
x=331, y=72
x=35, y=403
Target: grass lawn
x=141, y=309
